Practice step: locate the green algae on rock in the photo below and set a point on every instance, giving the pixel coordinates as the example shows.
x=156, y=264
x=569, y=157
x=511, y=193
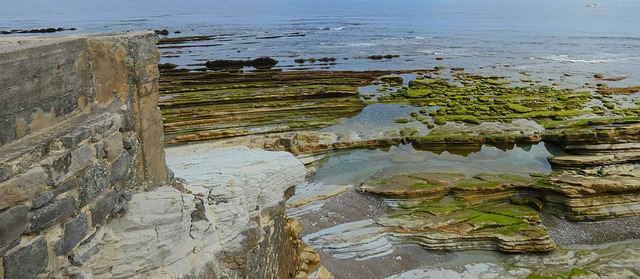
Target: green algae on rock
x=484, y=211
x=489, y=99
x=445, y=211
x=472, y=228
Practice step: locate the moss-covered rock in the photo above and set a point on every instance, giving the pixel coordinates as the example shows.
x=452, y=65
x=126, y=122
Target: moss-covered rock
x=396, y=80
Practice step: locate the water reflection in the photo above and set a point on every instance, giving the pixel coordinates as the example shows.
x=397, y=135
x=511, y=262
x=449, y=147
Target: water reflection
x=352, y=167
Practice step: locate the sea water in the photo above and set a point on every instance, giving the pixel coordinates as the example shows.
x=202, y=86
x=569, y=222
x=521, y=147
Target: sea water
x=560, y=39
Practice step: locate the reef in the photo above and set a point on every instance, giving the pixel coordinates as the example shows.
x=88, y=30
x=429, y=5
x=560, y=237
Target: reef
x=473, y=99
x=36, y=31
x=264, y=62
x=212, y=105
x=593, y=134
x=443, y=211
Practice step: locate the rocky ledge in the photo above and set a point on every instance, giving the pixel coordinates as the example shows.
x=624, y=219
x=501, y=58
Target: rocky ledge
x=595, y=176
x=593, y=134
x=212, y=105
x=443, y=211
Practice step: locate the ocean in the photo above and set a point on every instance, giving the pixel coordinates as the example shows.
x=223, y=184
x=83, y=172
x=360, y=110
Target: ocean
x=564, y=40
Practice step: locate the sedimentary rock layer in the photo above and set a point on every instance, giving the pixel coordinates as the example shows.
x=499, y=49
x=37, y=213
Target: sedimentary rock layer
x=211, y=105
x=227, y=219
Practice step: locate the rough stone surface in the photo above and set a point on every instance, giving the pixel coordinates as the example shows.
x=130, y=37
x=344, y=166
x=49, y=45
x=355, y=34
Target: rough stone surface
x=93, y=183
x=66, y=111
x=144, y=239
x=103, y=208
x=87, y=248
x=65, y=166
x=5, y=173
x=46, y=197
x=120, y=168
x=229, y=222
x=72, y=140
x=100, y=154
x=28, y=261
x=150, y=125
x=14, y=222
x=52, y=213
x=74, y=231
x=23, y=187
x=30, y=98
x=106, y=127
x=113, y=146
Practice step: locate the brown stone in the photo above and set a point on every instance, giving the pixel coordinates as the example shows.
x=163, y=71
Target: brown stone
x=109, y=70
x=22, y=187
x=149, y=122
x=113, y=146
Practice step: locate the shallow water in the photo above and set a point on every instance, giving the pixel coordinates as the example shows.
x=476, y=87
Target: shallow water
x=596, y=246
x=352, y=167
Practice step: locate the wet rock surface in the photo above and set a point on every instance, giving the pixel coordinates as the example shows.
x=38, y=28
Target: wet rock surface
x=573, y=192
x=204, y=106
x=592, y=136
x=451, y=212
x=36, y=31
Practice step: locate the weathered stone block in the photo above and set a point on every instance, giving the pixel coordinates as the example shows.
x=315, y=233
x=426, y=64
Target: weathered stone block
x=150, y=87
x=74, y=231
x=52, y=214
x=87, y=248
x=128, y=142
x=45, y=80
x=113, y=146
x=146, y=57
x=120, y=168
x=58, y=167
x=149, y=112
x=28, y=261
x=22, y=187
x=46, y=197
x=106, y=127
x=5, y=173
x=76, y=137
x=103, y=208
x=100, y=154
x=78, y=276
x=7, y=248
x=14, y=222
x=80, y=259
x=109, y=65
x=153, y=155
x=93, y=183
x=67, y=165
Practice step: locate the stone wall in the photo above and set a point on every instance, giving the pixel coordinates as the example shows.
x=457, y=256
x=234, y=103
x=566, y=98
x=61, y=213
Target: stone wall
x=80, y=132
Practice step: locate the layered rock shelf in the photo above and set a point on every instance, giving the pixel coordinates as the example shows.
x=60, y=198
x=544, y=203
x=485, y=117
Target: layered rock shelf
x=598, y=174
x=591, y=132
x=443, y=211
x=212, y=105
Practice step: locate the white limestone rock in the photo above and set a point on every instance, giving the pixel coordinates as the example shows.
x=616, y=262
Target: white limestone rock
x=237, y=181
x=168, y=234
x=153, y=238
